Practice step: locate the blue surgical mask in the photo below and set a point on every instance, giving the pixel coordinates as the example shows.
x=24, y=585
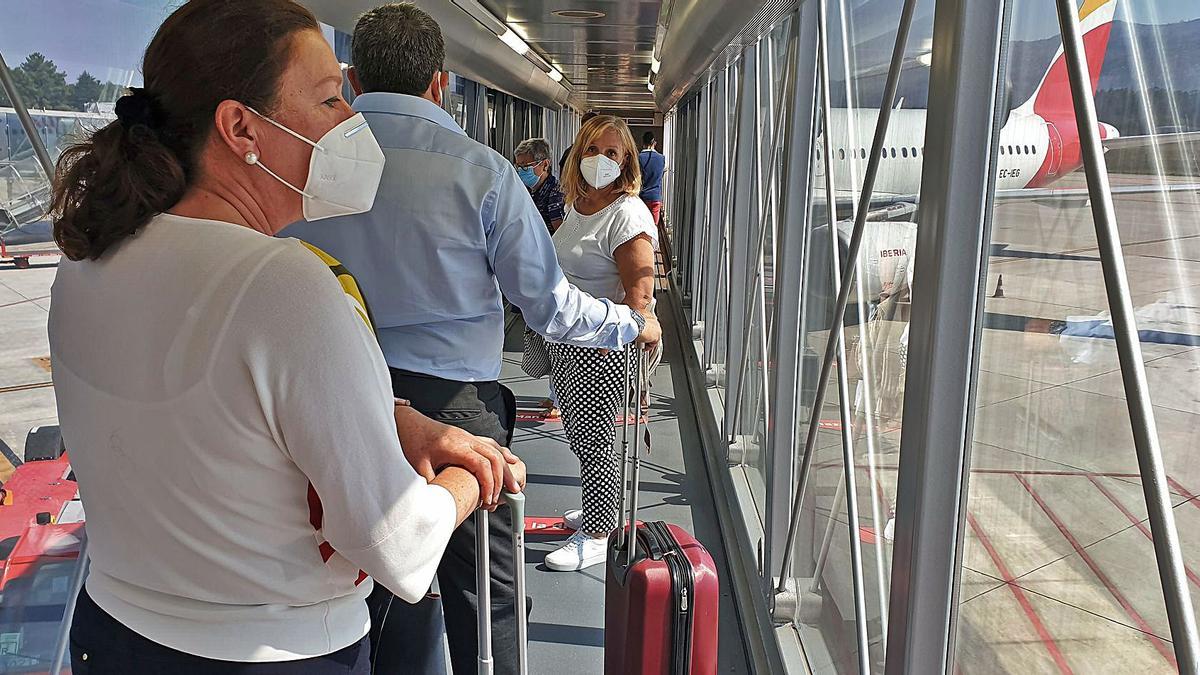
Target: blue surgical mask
x=528, y=177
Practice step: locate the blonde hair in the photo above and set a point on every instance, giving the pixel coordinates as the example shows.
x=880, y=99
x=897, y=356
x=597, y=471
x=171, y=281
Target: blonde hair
x=574, y=187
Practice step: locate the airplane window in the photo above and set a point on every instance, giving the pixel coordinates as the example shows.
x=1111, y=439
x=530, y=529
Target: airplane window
x=1002, y=150
x=1029, y=149
x=862, y=153
x=893, y=153
x=904, y=152
x=841, y=153
x=1010, y=149
x=914, y=152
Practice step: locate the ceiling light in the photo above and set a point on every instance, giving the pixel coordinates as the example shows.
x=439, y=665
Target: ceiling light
x=556, y=74
x=482, y=15
x=578, y=14
x=514, y=42
x=655, y=64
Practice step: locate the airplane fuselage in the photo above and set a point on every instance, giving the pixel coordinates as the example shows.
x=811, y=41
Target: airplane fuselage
x=1033, y=151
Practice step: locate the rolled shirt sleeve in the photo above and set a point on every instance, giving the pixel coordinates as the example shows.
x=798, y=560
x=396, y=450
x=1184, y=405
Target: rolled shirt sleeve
x=526, y=266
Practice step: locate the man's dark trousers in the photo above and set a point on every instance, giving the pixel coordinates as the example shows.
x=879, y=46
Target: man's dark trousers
x=485, y=409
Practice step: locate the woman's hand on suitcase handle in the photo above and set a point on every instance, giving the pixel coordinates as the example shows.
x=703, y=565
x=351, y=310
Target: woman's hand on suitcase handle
x=431, y=446
x=514, y=473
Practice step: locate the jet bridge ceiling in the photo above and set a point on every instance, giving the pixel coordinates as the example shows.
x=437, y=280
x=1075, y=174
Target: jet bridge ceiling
x=603, y=47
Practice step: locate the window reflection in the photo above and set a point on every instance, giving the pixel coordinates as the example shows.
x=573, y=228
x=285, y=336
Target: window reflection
x=1058, y=569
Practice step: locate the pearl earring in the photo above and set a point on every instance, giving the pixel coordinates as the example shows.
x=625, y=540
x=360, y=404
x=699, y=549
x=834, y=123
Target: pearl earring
x=251, y=158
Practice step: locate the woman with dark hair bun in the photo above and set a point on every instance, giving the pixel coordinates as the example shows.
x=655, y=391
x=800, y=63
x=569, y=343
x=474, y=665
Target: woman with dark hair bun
x=229, y=415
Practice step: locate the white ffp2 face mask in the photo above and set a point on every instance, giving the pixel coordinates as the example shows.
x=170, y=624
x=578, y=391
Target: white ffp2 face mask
x=343, y=172
x=599, y=171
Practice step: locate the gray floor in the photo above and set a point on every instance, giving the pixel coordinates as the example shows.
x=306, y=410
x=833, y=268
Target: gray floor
x=566, y=629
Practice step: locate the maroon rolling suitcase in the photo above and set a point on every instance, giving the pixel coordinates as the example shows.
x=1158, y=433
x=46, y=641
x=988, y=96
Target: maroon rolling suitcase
x=661, y=591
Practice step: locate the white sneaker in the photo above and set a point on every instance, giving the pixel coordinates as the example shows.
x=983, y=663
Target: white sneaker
x=582, y=550
x=573, y=519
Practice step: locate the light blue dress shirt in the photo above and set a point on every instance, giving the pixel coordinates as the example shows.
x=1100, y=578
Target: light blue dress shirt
x=452, y=228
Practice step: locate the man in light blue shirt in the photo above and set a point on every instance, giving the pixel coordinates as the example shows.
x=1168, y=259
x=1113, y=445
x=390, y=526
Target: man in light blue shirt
x=452, y=228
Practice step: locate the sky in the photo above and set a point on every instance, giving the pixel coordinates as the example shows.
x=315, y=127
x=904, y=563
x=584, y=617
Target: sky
x=107, y=37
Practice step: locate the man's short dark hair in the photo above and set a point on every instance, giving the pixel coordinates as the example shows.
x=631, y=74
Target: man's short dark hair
x=647, y=139
x=587, y=116
x=397, y=48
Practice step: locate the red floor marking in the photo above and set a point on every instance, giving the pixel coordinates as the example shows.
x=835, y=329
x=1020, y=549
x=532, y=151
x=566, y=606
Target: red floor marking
x=1011, y=582
x=1191, y=575
x=546, y=525
x=1183, y=491
x=1112, y=589
x=535, y=416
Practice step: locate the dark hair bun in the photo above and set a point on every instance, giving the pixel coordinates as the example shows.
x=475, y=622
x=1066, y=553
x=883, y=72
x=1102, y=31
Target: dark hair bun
x=139, y=107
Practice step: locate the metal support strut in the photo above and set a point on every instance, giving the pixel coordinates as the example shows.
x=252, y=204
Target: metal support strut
x=1129, y=352
x=835, y=332
x=846, y=416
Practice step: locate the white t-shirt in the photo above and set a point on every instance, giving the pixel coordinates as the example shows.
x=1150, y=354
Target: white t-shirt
x=207, y=375
x=585, y=244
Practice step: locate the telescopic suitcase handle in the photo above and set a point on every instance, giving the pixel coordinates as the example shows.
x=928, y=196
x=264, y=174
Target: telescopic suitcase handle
x=483, y=586
x=642, y=385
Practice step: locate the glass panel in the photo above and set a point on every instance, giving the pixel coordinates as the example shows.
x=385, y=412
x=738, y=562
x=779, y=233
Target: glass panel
x=861, y=38
x=755, y=413
x=1058, y=569
x=70, y=63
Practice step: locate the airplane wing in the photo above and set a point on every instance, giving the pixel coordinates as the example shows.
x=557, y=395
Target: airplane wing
x=1149, y=140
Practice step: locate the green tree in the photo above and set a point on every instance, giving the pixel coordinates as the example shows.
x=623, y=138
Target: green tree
x=42, y=84
x=85, y=91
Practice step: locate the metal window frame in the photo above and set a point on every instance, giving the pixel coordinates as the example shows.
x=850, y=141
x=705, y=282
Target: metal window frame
x=950, y=269
x=743, y=229
x=792, y=250
x=704, y=181
x=715, y=231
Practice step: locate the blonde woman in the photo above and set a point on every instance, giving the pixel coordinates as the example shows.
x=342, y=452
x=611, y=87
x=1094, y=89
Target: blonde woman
x=605, y=247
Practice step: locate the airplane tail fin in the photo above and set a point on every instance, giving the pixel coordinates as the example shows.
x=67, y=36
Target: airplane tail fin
x=1052, y=98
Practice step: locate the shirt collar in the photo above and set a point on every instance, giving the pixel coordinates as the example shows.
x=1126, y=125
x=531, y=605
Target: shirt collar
x=550, y=183
x=403, y=104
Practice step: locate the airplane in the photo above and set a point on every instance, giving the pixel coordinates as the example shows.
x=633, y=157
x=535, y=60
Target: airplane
x=1039, y=143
